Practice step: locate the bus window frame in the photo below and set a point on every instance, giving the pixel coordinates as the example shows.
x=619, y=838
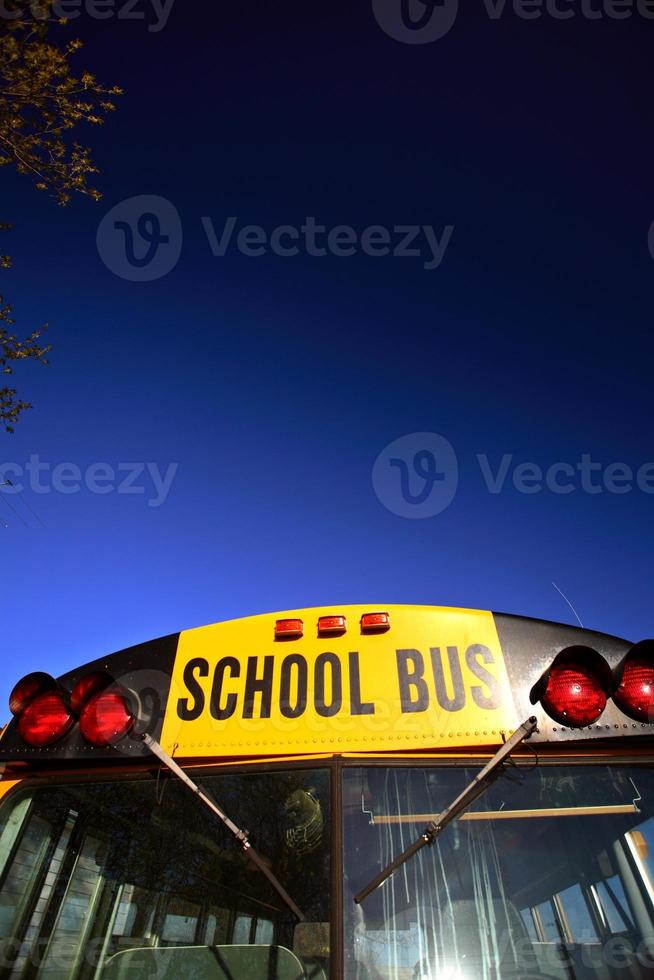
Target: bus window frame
x=335, y=764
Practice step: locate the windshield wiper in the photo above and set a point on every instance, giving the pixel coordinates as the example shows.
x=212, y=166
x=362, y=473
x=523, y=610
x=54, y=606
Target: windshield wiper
x=239, y=834
x=478, y=786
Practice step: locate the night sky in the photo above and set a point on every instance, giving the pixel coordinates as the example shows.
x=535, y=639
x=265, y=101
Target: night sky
x=274, y=382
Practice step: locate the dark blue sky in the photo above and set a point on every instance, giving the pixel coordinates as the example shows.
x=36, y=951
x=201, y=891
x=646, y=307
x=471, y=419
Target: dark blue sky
x=275, y=382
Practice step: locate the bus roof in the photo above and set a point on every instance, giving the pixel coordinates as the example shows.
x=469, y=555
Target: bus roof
x=343, y=679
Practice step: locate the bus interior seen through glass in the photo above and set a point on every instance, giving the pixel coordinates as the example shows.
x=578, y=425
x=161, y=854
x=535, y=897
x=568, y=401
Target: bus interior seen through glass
x=563, y=890
x=138, y=878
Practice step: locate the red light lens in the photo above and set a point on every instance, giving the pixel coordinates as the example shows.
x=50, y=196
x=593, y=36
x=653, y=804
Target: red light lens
x=574, y=695
x=85, y=688
x=45, y=720
x=331, y=624
x=106, y=718
x=28, y=688
x=287, y=629
x=635, y=695
x=375, y=622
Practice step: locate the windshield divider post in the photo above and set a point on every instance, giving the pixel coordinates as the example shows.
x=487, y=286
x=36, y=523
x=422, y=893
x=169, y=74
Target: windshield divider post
x=475, y=789
x=239, y=834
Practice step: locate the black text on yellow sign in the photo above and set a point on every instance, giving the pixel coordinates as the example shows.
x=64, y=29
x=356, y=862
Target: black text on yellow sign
x=330, y=684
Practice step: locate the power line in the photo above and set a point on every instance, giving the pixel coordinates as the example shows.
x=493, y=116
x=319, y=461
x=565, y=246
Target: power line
x=12, y=508
x=27, y=504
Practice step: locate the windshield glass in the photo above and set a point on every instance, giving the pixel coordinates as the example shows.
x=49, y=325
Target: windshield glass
x=549, y=875
x=139, y=879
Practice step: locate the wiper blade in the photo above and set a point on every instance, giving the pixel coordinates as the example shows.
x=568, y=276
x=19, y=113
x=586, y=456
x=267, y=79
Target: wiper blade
x=239, y=834
x=475, y=789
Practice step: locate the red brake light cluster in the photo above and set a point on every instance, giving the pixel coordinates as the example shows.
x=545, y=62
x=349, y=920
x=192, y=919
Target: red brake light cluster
x=45, y=713
x=575, y=689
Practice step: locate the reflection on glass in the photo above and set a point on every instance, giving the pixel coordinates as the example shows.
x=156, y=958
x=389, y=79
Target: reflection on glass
x=137, y=880
x=562, y=891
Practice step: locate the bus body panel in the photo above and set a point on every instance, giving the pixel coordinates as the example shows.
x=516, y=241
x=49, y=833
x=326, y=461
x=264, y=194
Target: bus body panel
x=436, y=679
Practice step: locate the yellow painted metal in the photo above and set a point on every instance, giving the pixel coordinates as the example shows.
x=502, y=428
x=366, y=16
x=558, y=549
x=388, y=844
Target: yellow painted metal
x=6, y=785
x=435, y=679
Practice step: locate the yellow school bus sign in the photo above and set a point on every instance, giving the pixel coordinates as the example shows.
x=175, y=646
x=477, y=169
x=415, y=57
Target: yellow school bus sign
x=435, y=678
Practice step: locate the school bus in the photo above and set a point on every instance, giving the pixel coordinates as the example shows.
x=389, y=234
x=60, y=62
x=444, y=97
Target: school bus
x=369, y=792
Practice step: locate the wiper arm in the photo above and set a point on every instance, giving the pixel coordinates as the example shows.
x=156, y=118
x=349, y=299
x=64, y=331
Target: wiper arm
x=239, y=834
x=478, y=786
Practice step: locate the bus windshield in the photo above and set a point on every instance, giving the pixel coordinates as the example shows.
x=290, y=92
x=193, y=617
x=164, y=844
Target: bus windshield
x=548, y=875
x=137, y=878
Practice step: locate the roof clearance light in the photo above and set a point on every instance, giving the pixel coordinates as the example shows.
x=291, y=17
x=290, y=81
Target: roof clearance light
x=635, y=692
x=574, y=695
x=288, y=629
x=106, y=718
x=45, y=720
x=377, y=622
x=331, y=625
x=86, y=687
x=28, y=688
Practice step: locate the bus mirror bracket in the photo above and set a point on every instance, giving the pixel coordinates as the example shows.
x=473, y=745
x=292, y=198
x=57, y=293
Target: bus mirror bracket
x=478, y=786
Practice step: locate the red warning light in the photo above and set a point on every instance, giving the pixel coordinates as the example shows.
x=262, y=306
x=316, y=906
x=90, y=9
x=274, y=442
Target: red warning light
x=635, y=692
x=28, y=688
x=331, y=625
x=574, y=695
x=288, y=629
x=376, y=622
x=574, y=690
x=45, y=720
x=86, y=687
x=106, y=718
